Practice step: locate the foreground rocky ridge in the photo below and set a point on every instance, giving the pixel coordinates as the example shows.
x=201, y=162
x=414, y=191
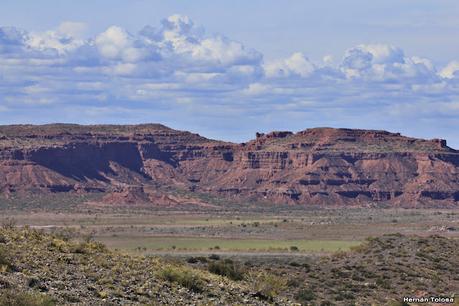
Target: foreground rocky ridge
x=56, y=271
x=322, y=166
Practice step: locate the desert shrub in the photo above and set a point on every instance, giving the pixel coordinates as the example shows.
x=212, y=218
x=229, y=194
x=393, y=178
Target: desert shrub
x=89, y=237
x=372, y=239
x=227, y=268
x=347, y=295
x=58, y=244
x=384, y=283
x=268, y=285
x=37, y=283
x=65, y=234
x=9, y=223
x=192, y=260
x=183, y=277
x=71, y=298
x=361, y=248
x=33, y=234
x=306, y=266
x=305, y=295
x=214, y=257
x=5, y=260
x=202, y=259
x=88, y=248
x=294, y=282
x=3, y=238
x=344, y=295
x=79, y=248
x=338, y=255
x=14, y=298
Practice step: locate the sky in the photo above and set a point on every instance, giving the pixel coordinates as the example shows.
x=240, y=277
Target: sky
x=227, y=69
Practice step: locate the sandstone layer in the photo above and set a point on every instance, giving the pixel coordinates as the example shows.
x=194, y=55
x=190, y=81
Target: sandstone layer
x=323, y=166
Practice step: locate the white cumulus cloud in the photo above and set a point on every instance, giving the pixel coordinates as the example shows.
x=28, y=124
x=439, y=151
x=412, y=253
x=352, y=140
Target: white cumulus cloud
x=176, y=71
x=297, y=64
x=384, y=62
x=451, y=70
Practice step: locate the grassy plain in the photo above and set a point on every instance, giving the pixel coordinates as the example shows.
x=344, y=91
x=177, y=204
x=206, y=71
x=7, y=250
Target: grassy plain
x=225, y=244
x=310, y=231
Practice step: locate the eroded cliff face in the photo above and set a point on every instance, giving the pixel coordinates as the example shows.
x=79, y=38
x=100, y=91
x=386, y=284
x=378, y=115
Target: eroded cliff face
x=320, y=166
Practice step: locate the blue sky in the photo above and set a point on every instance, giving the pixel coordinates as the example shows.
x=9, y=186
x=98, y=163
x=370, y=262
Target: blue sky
x=228, y=69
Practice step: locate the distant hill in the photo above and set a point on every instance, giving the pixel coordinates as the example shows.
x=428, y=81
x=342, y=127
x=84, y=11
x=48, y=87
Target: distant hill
x=137, y=164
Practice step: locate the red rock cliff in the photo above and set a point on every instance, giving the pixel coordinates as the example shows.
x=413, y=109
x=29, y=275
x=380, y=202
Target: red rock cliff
x=321, y=166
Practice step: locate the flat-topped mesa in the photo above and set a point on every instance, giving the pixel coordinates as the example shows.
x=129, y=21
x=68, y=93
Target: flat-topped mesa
x=354, y=140
x=69, y=129
x=342, y=132
x=379, y=138
x=323, y=166
x=40, y=136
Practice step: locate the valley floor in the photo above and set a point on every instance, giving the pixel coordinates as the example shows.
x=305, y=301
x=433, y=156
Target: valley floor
x=312, y=257
x=295, y=232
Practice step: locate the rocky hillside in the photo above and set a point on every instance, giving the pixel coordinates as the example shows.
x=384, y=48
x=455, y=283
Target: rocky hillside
x=322, y=166
x=381, y=271
x=41, y=269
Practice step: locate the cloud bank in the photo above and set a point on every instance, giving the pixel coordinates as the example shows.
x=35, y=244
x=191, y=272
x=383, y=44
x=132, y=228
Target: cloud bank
x=178, y=74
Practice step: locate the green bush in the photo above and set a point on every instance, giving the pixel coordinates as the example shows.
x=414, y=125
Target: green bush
x=268, y=285
x=227, y=268
x=305, y=295
x=193, y=260
x=183, y=277
x=214, y=257
x=306, y=266
x=9, y=223
x=87, y=248
x=384, y=283
x=293, y=282
x=5, y=260
x=13, y=298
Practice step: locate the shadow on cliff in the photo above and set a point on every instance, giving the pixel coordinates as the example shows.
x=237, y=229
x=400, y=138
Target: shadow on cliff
x=84, y=162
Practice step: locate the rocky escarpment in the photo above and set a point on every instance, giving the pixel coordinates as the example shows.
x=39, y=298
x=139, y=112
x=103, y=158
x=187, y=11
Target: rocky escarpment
x=321, y=166
x=343, y=166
